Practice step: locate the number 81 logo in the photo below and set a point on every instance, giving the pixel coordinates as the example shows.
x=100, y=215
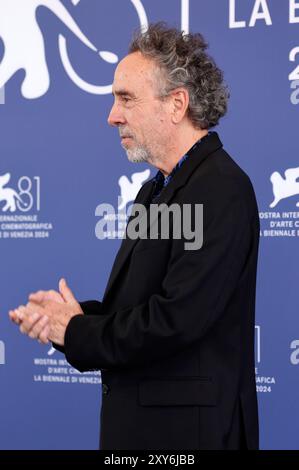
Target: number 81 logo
x=27, y=190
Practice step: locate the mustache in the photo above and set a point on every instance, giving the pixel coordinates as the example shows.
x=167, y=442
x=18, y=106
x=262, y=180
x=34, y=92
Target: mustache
x=124, y=133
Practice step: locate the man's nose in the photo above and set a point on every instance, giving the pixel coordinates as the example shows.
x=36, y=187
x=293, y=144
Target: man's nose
x=115, y=117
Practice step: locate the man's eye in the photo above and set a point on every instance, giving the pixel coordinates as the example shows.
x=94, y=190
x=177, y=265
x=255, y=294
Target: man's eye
x=126, y=99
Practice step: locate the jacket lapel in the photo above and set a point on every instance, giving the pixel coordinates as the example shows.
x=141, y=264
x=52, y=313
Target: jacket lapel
x=209, y=145
x=143, y=197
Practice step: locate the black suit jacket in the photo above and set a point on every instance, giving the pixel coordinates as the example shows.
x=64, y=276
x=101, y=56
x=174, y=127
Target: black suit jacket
x=174, y=334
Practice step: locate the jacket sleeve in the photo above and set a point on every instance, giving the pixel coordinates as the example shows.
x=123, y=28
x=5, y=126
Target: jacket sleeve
x=89, y=307
x=194, y=295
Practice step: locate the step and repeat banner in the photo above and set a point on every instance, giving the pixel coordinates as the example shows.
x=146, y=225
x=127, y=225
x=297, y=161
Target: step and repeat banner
x=62, y=170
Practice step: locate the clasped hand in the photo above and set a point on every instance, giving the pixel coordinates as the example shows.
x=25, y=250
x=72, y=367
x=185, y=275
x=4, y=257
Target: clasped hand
x=47, y=314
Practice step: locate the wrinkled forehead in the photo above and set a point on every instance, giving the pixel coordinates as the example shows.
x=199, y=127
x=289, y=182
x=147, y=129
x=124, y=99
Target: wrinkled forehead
x=135, y=73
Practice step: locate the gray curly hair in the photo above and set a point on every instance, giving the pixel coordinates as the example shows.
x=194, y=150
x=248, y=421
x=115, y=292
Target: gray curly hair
x=183, y=61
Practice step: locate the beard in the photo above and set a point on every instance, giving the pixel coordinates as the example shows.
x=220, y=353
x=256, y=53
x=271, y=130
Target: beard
x=138, y=154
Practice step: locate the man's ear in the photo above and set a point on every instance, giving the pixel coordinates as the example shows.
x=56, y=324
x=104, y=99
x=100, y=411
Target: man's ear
x=180, y=103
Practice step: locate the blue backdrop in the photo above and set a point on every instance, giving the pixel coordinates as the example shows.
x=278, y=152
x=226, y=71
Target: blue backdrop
x=59, y=162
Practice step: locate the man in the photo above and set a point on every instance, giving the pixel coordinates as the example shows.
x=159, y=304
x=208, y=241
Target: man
x=174, y=334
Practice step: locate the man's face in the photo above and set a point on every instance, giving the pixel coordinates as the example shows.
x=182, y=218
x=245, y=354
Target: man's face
x=142, y=117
